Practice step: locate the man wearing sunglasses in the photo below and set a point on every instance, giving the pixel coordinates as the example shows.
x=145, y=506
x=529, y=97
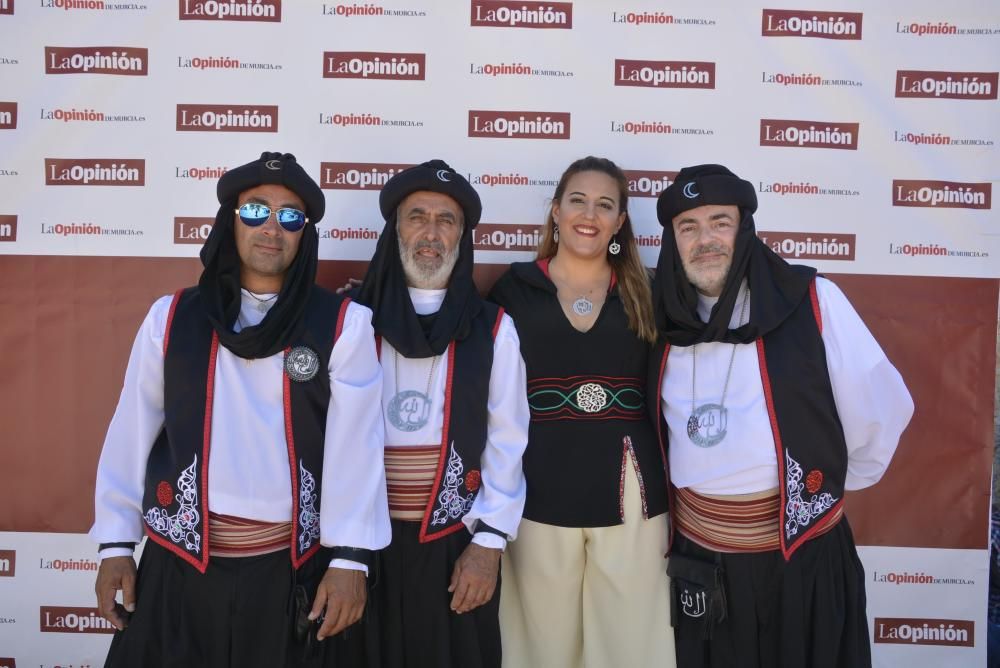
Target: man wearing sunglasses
x=456, y=425
x=247, y=445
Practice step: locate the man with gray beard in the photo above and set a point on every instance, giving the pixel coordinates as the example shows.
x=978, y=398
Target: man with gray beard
x=456, y=425
x=775, y=401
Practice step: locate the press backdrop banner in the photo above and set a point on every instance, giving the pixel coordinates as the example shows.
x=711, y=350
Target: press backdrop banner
x=868, y=129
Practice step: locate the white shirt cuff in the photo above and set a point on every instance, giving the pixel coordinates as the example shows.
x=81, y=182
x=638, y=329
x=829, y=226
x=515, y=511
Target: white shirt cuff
x=349, y=565
x=491, y=540
x=109, y=552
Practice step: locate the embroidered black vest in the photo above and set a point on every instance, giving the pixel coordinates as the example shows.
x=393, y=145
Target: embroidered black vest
x=808, y=437
x=175, y=500
x=588, y=403
x=463, y=435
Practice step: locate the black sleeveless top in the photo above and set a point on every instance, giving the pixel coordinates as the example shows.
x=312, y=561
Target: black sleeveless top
x=587, y=395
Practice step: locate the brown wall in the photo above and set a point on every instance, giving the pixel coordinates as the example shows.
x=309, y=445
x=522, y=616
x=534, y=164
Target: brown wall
x=941, y=334
x=68, y=324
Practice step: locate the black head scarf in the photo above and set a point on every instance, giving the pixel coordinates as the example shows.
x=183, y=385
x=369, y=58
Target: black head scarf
x=219, y=285
x=776, y=287
x=384, y=289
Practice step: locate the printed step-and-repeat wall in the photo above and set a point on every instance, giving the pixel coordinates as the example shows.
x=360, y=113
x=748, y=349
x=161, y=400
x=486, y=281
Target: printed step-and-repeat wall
x=869, y=129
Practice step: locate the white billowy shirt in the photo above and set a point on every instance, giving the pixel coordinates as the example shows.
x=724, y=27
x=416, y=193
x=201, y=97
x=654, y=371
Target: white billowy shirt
x=500, y=501
x=872, y=402
x=248, y=474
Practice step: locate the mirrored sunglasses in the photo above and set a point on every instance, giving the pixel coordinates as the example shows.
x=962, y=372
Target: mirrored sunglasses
x=253, y=214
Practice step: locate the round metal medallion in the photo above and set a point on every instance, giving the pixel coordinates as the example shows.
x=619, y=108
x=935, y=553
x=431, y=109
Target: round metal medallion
x=409, y=410
x=301, y=364
x=583, y=306
x=707, y=425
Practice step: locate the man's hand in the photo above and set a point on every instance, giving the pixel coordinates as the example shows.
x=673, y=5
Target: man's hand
x=342, y=592
x=114, y=574
x=475, y=577
x=350, y=285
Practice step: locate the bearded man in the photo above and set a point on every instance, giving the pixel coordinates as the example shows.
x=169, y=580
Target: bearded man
x=775, y=400
x=456, y=425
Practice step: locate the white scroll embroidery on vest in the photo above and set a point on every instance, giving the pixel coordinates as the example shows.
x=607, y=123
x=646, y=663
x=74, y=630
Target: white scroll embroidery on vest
x=451, y=504
x=308, y=515
x=181, y=527
x=799, y=512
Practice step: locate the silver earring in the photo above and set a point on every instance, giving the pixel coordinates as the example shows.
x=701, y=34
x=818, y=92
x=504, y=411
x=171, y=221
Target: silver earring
x=614, y=247
x=555, y=233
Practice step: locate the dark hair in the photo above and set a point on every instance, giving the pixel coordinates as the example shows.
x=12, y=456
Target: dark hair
x=632, y=277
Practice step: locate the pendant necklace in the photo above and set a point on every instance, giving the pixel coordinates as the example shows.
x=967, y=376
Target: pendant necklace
x=409, y=410
x=263, y=304
x=583, y=306
x=706, y=427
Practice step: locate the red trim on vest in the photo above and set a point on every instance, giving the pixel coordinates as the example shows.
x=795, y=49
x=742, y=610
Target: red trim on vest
x=822, y=526
x=286, y=402
x=621, y=481
x=825, y=523
x=496, y=325
x=611, y=379
x=779, y=449
x=441, y=534
x=172, y=547
x=207, y=446
x=290, y=441
x=378, y=348
x=815, y=304
x=443, y=457
x=170, y=319
x=200, y=564
x=340, y=320
x=661, y=439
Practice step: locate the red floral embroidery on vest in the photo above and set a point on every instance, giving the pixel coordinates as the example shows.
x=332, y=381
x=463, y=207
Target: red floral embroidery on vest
x=814, y=481
x=472, y=480
x=164, y=493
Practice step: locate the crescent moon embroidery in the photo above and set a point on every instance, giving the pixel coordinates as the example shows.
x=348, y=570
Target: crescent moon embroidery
x=443, y=175
x=273, y=164
x=689, y=191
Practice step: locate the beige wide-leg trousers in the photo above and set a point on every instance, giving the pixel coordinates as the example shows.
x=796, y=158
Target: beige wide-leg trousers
x=588, y=598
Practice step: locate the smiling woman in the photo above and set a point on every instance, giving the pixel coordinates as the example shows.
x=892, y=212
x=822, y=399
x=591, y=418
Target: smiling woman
x=600, y=242
x=594, y=527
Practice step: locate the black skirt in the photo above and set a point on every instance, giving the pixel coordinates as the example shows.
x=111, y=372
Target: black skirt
x=416, y=627
x=808, y=612
x=240, y=612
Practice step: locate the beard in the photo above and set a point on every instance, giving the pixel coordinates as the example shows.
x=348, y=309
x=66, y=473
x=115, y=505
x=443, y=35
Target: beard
x=709, y=280
x=428, y=273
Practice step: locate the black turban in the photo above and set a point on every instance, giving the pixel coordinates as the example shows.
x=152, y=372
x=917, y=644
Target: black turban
x=219, y=285
x=435, y=176
x=384, y=289
x=278, y=169
x=704, y=184
x=776, y=287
